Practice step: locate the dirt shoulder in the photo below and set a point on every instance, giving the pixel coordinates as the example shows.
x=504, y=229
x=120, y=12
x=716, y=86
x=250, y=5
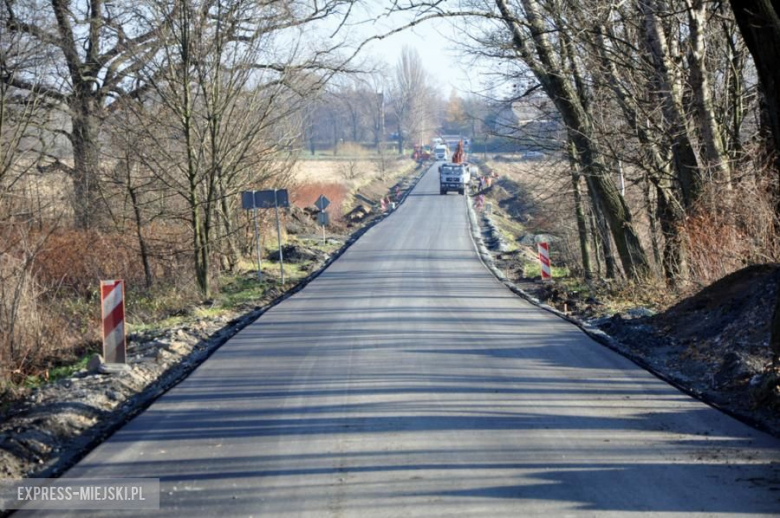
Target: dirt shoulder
x=713, y=343
x=56, y=424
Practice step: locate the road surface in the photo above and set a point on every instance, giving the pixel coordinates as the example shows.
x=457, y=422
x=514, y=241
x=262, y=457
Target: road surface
x=406, y=381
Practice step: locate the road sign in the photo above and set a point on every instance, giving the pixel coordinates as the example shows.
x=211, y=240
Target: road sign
x=271, y=198
x=264, y=200
x=323, y=219
x=322, y=202
x=282, y=199
x=267, y=199
x=112, y=296
x=248, y=200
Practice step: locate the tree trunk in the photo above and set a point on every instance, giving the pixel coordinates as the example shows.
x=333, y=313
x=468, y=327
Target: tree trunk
x=652, y=220
x=138, y=228
x=558, y=87
x=759, y=23
x=669, y=90
x=582, y=226
x=602, y=230
x=675, y=247
x=709, y=131
x=87, y=206
x=670, y=206
x=230, y=252
x=594, y=236
x=614, y=209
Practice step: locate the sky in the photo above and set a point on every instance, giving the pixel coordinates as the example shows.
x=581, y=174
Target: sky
x=433, y=39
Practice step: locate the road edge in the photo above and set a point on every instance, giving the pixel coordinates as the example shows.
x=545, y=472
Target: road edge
x=596, y=334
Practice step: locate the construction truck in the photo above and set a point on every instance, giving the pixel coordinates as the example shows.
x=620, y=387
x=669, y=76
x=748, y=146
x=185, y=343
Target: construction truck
x=455, y=175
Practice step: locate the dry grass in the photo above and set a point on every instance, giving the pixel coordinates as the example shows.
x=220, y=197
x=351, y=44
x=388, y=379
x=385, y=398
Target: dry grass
x=338, y=179
x=343, y=170
x=76, y=261
x=29, y=332
x=326, y=171
x=49, y=305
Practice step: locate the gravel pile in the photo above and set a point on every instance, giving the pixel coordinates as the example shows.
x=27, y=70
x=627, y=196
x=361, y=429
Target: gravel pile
x=49, y=430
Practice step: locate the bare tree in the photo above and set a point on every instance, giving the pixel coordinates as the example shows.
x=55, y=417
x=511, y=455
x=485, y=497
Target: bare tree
x=411, y=98
x=221, y=111
x=99, y=48
x=96, y=49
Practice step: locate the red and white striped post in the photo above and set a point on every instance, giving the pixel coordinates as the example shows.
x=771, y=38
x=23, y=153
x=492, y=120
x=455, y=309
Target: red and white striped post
x=112, y=295
x=544, y=259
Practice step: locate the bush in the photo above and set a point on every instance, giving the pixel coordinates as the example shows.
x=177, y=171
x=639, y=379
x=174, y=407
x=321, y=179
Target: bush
x=736, y=229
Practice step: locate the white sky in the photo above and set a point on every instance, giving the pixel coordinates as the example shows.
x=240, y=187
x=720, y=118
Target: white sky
x=432, y=39
x=440, y=55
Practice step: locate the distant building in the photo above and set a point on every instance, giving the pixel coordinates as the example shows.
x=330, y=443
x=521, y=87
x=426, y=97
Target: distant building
x=453, y=140
x=532, y=120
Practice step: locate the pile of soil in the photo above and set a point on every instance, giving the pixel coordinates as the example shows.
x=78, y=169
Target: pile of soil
x=738, y=306
x=716, y=343
x=301, y=221
x=57, y=422
x=294, y=253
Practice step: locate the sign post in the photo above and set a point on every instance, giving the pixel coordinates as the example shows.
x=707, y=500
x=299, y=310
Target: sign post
x=322, y=218
x=112, y=297
x=279, y=232
x=265, y=200
x=247, y=203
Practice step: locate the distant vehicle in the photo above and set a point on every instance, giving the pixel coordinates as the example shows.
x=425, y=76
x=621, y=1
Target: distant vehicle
x=436, y=141
x=533, y=155
x=421, y=153
x=441, y=152
x=454, y=177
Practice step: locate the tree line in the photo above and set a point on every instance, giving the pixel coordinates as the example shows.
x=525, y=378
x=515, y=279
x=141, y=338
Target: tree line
x=402, y=102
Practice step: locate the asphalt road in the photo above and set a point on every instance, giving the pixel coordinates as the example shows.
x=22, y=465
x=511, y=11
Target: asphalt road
x=406, y=381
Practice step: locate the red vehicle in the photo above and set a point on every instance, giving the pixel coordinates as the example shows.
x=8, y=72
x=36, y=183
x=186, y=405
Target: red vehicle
x=421, y=153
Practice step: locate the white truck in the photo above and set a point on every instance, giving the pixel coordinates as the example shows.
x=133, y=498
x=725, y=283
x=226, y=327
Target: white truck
x=454, y=177
x=441, y=152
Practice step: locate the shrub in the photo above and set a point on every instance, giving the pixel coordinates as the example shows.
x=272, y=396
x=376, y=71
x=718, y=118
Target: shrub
x=29, y=333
